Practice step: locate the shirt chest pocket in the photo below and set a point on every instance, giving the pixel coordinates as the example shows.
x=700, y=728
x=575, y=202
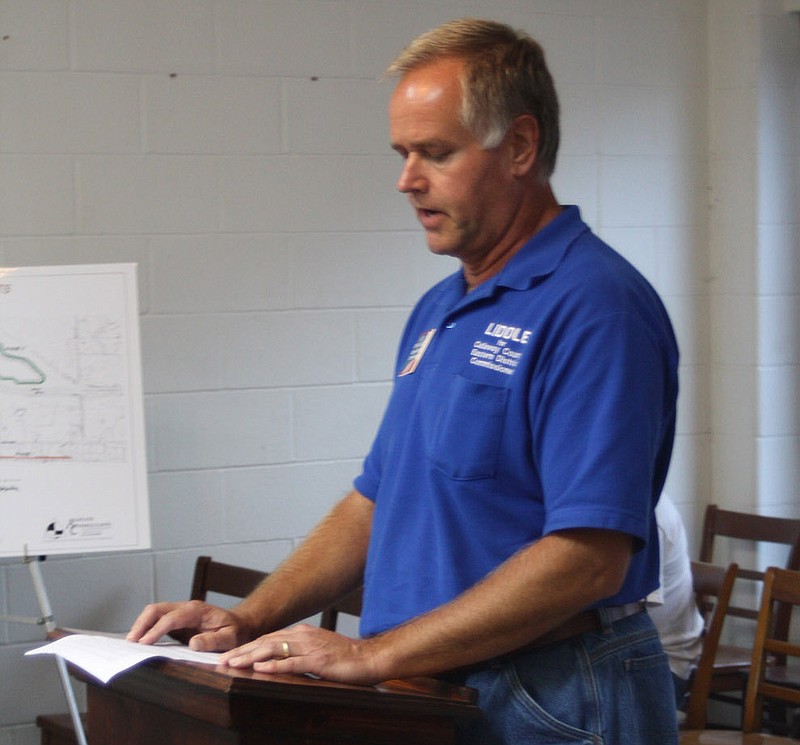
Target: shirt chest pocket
x=466, y=427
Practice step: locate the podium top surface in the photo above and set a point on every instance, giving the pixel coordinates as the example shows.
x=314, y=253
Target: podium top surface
x=223, y=696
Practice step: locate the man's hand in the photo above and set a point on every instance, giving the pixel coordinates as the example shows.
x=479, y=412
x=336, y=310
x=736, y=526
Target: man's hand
x=206, y=628
x=308, y=649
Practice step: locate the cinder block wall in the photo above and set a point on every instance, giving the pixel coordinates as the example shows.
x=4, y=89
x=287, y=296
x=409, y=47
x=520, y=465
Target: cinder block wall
x=237, y=151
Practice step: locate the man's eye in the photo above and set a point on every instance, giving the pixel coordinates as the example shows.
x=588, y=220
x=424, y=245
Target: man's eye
x=439, y=156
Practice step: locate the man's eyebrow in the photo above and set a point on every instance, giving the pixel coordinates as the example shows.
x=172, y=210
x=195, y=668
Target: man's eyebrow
x=422, y=145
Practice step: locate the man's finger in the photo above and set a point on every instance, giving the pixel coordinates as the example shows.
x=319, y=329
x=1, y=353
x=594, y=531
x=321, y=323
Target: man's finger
x=220, y=640
x=291, y=666
x=260, y=651
x=164, y=619
x=148, y=618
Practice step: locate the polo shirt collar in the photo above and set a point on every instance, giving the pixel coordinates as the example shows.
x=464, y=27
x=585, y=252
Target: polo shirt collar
x=537, y=258
x=543, y=252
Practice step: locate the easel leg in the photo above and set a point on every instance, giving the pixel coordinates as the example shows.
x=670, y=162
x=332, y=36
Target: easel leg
x=72, y=704
x=47, y=619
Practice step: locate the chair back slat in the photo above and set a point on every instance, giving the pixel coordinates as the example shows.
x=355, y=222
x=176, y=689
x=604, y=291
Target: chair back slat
x=224, y=579
x=350, y=604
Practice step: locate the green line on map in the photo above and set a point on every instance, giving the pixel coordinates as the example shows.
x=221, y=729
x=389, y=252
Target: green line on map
x=17, y=358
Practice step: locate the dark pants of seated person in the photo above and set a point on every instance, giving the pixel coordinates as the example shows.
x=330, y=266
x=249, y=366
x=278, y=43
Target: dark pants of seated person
x=681, y=686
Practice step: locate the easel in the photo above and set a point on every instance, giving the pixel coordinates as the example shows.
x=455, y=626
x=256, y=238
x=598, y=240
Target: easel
x=46, y=620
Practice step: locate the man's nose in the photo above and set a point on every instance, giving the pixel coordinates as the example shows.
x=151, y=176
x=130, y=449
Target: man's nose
x=411, y=179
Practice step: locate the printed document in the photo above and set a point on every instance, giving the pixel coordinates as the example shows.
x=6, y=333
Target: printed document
x=104, y=656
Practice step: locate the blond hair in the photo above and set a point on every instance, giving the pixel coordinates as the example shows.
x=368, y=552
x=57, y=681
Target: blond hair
x=505, y=75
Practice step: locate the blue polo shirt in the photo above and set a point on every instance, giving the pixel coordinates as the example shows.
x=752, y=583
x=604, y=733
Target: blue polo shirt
x=542, y=400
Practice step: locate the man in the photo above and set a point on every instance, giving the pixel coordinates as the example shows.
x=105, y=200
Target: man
x=503, y=521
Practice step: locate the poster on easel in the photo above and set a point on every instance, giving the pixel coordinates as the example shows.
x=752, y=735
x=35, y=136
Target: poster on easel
x=73, y=475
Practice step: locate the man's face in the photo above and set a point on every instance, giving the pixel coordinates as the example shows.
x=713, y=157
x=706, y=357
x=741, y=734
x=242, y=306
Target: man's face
x=462, y=194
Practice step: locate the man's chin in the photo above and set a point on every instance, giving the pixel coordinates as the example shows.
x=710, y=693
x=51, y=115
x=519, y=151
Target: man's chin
x=439, y=247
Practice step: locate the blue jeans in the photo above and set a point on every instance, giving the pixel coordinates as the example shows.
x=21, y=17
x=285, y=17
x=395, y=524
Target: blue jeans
x=606, y=687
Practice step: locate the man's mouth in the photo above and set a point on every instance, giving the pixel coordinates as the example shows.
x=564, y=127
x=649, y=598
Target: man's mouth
x=429, y=218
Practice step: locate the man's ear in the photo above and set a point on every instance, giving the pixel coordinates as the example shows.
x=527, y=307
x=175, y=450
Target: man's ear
x=523, y=144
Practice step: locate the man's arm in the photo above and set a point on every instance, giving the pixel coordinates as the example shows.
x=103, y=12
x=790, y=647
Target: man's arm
x=533, y=592
x=327, y=565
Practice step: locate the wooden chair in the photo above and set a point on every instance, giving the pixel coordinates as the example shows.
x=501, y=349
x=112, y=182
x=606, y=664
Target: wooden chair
x=732, y=661
x=350, y=604
x=713, y=586
x=781, y=588
x=224, y=579
x=238, y=582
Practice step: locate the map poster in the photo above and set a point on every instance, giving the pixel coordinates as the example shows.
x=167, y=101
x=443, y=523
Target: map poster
x=73, y=477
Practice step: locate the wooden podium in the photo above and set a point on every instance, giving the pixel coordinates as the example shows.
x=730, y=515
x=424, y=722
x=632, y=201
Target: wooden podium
x=181, y=703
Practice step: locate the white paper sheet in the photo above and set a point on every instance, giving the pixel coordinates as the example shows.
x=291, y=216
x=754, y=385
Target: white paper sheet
x=103, y=656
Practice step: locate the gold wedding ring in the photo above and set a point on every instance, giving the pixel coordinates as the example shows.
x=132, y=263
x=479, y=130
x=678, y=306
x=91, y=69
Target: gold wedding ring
x=286, y=651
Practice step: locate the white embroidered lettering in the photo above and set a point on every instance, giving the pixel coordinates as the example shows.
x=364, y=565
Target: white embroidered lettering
x=510, y=333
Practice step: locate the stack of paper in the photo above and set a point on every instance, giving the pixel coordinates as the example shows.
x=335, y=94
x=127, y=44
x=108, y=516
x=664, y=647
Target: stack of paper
x=104, y=656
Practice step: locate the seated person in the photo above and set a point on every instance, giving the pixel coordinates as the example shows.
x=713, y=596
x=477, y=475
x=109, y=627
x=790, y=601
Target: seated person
x=672, y=606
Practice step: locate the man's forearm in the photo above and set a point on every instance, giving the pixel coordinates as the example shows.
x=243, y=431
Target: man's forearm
x=328, y=564
x=530, y=594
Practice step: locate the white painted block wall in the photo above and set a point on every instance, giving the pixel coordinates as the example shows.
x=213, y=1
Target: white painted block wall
x=237, y=150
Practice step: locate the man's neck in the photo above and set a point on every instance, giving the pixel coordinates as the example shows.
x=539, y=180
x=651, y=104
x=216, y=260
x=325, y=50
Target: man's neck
x=546, y=210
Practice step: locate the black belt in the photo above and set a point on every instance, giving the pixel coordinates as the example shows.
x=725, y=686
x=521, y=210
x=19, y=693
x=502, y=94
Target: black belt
x=593, y=619
x=588, y=620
